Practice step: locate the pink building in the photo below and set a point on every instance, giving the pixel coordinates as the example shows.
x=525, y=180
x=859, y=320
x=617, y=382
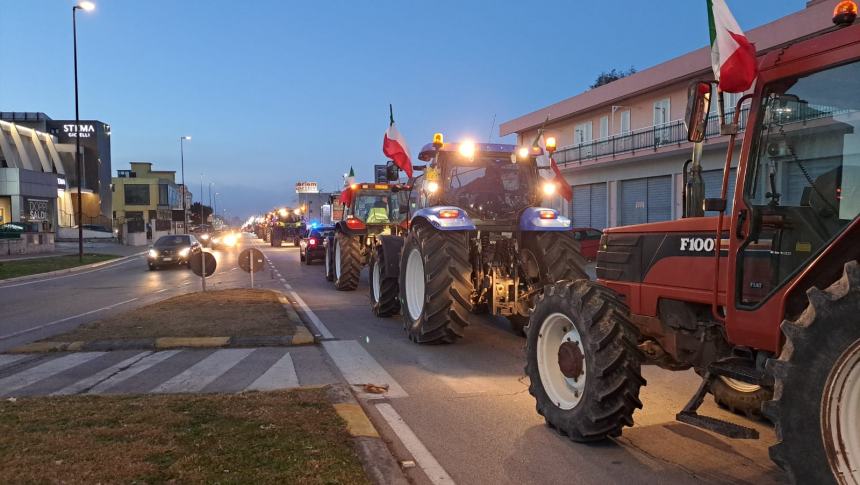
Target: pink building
x=622, y=146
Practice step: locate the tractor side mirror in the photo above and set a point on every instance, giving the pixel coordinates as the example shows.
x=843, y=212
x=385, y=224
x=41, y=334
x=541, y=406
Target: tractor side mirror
x=698, y=107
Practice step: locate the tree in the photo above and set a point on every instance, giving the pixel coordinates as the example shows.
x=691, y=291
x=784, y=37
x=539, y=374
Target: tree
x=607, y=77
x=195, y=213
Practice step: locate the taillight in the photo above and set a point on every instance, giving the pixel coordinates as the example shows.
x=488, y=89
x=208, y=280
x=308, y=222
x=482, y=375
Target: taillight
x=405, y=224
x=354, y=224
x=312, y=242
x=449, y=214
x=548, y=214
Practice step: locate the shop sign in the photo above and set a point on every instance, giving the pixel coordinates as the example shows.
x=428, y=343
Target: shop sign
x=37, y=209
x=85, y=130
x=307, y=188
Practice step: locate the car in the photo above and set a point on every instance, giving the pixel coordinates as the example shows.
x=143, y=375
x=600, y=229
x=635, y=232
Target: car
x=224, y=239
x=311, y=245
x=173, y=250
x=589, y=241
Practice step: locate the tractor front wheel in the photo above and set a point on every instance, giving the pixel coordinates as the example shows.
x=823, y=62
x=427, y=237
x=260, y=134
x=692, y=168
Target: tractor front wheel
x=817, y=387
x=582, y=361
x=740, y=397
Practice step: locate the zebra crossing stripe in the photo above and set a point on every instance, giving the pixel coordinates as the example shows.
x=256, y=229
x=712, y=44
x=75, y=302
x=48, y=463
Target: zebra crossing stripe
x=281, y=375
x=35, y=374
x=140, y=366
x=204, y=372
x=91, y=381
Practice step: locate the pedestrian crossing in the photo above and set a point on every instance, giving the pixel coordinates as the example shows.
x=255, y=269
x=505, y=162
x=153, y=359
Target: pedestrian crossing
x=144, y=372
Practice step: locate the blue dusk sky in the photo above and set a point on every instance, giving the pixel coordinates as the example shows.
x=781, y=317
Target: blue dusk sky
x=275, y=92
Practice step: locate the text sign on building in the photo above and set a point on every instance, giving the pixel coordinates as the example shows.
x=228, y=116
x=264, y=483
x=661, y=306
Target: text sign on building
x=84, y=130
x=307, y=188
x=37, y=209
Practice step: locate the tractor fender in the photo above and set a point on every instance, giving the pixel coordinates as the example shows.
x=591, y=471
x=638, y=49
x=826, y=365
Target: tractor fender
x=342, y=227
x=530, y=220
x=392, y=246
x=431, y=214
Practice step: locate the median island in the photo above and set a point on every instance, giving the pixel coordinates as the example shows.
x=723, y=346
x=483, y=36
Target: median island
x=37, y=265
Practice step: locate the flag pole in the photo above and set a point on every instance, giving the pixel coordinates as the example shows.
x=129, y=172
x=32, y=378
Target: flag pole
x=390, y=114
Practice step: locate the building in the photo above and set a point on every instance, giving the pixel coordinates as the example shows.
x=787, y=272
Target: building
x=95, y=165
x=150, y=196
x=622, y=146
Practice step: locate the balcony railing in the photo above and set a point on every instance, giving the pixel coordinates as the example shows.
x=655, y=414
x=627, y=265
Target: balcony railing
x=651, y=138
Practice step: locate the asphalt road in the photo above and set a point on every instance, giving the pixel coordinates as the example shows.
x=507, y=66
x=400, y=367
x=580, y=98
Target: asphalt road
x=468, y=404
x=33, y=310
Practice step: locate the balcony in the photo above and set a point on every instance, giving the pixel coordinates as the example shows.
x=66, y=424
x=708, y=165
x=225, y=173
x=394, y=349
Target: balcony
x=650, y=138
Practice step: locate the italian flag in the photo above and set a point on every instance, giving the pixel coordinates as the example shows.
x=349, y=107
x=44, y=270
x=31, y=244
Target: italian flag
x=346, y=193
x=733, y=57
x=394, y=147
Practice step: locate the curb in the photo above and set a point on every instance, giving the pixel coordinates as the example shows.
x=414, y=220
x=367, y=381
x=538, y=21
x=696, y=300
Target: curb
x=75, y=269
x=376, y=459
x=165, y=343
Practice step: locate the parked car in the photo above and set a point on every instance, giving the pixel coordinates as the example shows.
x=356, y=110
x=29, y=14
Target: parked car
x=311, y=245
x=589, y=241
x=172, y=250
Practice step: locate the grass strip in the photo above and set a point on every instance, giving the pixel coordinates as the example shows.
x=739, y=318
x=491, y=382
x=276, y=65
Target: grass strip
x=26, y=267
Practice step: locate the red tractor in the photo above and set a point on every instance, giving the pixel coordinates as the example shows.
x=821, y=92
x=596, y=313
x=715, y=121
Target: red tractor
x=762, y=301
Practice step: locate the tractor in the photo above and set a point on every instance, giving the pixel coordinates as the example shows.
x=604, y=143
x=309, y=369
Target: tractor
x=285, y=225
x=762, y=301
x=477, y=240
x=372, y=213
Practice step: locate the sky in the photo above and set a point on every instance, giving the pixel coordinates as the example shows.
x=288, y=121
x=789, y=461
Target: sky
x=279, y=91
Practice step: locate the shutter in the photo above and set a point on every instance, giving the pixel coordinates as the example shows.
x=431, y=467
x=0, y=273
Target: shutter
x=795, y=181
x=580, y=210
x=599, y=206
x=713, y=184
x=634, y=194
x=659, y=203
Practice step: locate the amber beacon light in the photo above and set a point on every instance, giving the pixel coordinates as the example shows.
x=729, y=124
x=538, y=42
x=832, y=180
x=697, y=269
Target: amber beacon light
x=845, y=13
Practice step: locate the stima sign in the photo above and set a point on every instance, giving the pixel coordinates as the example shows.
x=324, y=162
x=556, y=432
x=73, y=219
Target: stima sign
x=307, y=188
x=83, y=130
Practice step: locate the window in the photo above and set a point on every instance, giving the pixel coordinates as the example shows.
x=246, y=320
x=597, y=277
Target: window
x=662, y=113
x=604, y=127
x=377, y=207
x=136, y=194
x=582, y=134
x=163, y=198
x=625, y=122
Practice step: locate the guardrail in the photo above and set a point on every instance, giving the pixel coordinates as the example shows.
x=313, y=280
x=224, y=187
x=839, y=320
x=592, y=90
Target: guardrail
x=653, y=137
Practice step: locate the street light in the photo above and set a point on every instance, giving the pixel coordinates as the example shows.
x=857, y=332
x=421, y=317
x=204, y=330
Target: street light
x=184, y=187
x=88, y=7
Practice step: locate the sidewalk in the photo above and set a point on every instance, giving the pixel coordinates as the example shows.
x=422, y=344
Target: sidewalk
x=90, y=247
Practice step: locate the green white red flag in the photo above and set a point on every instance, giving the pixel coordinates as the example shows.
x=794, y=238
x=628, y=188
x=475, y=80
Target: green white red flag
x=733, y=57
x=394, y=146
x=346, y=193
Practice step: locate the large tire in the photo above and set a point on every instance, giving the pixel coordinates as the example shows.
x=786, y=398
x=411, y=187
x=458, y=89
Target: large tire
x=578, y=330
x=384, y=291
x=740, y=397
x=329, y=260
x=817, y=387
x=347, y=261
x=548, y=257
x=435, y=303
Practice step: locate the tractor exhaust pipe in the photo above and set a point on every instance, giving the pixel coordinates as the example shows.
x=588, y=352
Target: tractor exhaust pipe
x=694, y=185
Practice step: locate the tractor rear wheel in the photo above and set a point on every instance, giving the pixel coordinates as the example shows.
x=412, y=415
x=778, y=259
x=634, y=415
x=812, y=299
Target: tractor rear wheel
x=435, y=284
x=817, y=387
x=329, y=264
x=546, y=257
x=347, y=261
x=582, y=361
x=384, y=290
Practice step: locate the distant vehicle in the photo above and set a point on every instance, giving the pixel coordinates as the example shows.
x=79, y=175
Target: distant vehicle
x=223, y=239
x=589, y=241
x=172, y=250
x=311, y=246
x=203, y=233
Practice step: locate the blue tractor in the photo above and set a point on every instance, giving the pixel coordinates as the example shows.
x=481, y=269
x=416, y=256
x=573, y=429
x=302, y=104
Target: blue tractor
x=477, y=241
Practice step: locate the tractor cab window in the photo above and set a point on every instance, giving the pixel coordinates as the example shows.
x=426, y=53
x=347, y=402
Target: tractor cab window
x=804, y=175
x=377, y=207
x=490, y=186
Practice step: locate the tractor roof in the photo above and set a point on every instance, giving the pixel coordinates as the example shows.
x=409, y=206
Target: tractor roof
x=498, y=149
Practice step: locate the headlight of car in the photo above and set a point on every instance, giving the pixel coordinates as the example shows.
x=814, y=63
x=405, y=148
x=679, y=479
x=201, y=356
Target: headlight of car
x=230, y=240
x=153, y=253
x=184, y=252
x=216, y=240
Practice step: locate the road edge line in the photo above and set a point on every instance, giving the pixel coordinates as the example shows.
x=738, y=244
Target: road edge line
x=425, y=460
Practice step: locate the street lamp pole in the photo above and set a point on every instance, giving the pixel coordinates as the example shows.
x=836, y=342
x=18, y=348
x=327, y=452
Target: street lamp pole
x=88, y=6
x=184, y=187
x=201, y=199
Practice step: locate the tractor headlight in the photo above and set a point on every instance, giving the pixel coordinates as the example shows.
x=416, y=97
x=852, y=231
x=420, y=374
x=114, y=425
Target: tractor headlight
x=184, y=252
x=431, y=187
x=153, y=254
x=549, y=188
x=204, y=236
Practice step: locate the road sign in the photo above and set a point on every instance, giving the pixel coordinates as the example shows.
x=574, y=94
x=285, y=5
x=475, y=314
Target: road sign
x=251, y=257
x=198, y=265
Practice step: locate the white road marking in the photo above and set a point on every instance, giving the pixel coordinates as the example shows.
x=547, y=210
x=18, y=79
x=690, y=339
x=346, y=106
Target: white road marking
x=43, y=371
x=162, y=290
x=142, y=365
x=57, y=322
x=324, y=331
x=287, y=286
x=416, y=448
x=204, y=372
x=282, y=375
x=45, y=280
x=283, y=280
x=94, y=379
x=7, y=359
x=358, y=367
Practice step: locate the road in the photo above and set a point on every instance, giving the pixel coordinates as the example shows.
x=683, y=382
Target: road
x=469, y=405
